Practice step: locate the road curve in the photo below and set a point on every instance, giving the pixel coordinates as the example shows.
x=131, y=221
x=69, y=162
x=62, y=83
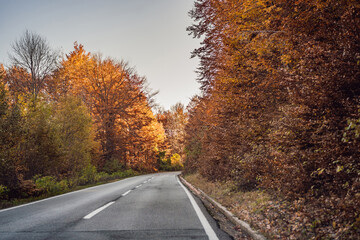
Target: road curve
x=154, y=206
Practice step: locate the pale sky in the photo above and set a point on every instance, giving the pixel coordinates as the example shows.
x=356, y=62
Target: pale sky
x=149, y=34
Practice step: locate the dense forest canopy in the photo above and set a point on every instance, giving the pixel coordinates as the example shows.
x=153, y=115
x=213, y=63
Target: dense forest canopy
x=75, y=119
x=279, y=107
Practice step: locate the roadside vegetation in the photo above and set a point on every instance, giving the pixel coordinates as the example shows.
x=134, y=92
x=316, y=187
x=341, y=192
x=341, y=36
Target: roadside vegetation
x=275, y=216
x=78, y=119
x=48, y=186
x=279, y=111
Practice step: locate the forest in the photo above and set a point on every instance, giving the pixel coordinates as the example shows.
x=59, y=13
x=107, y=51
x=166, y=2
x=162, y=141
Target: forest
x=278, y=112
x=78, y=119
x=279, y=106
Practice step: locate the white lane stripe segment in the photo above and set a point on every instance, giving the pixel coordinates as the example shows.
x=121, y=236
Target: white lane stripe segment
x=93, y=213
x=125, y=193
x=138, y=186
x=206, y=225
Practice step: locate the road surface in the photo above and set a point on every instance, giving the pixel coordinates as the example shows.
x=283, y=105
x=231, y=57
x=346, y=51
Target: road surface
x=154, y=206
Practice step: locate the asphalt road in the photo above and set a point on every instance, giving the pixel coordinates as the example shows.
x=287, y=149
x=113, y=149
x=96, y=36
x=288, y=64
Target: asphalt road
x=154, y=206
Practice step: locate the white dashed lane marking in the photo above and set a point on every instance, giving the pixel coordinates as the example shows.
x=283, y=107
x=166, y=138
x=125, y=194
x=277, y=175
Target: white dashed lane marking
x=125, y=193
x=93, y=213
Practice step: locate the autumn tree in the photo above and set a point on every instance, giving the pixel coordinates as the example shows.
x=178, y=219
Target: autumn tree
x=239, y=59
x=326, y=89
x=145, y=137
x=195, y=131
x=41, y=137
x=174, y=121
x=112, y=90
x=64, y=123
x=33, y=61
x=2, y=72
x=75, y=135
x=280, y=90
x=11, y=136
x=40, y=148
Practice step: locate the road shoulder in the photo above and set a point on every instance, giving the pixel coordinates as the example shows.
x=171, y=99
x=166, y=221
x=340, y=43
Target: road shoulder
x=235, y=227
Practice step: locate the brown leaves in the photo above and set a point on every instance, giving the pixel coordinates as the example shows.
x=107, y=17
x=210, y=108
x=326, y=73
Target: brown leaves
x=280, y=82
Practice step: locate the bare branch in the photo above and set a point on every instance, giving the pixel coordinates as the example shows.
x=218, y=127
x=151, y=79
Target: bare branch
x=32, y=53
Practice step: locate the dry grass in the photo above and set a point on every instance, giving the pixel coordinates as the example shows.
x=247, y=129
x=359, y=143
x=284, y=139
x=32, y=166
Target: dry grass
x=278, y=218
x=225, y=192
x=269, y=214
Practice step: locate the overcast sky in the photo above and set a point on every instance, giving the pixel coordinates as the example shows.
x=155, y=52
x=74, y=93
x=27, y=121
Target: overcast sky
x=149, y=34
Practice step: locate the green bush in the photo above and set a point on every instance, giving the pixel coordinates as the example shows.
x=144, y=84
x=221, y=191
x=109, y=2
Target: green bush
x=113, y=165
x=64, y=185
x=50, y=185
x=73, y=182
x=123, y=174
x=88, y=175
x=103, y=176
x=46, y=183
x=131, y=172
x=4, y=191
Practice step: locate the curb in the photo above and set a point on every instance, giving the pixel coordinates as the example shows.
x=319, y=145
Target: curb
x=243, y=225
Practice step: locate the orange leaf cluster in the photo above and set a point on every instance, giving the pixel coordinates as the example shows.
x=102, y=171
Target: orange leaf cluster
x=280, y=88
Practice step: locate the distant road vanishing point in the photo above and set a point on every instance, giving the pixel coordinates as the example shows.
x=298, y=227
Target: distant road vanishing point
x=154, y=206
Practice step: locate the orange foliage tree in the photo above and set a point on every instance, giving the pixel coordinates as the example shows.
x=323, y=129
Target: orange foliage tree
x=280, y=89
x=116, y=96
x=174, y=121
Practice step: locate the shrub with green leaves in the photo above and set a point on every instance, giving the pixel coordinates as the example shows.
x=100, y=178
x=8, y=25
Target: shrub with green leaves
x=88, y=175
x=4, y=191
x=50, y=185
x=113, y=165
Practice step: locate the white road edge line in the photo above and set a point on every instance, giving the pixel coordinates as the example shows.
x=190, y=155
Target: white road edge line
x=93, y=213
x=206, y=225
x=126, y=193
x=61, y=195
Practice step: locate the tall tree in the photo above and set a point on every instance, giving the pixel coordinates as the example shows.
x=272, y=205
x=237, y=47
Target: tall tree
x=280, y=92
x=33, y=58
x=11, y=136
x=174, y=121
x=111, y=89
x=76, y=133
x=145, y=137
